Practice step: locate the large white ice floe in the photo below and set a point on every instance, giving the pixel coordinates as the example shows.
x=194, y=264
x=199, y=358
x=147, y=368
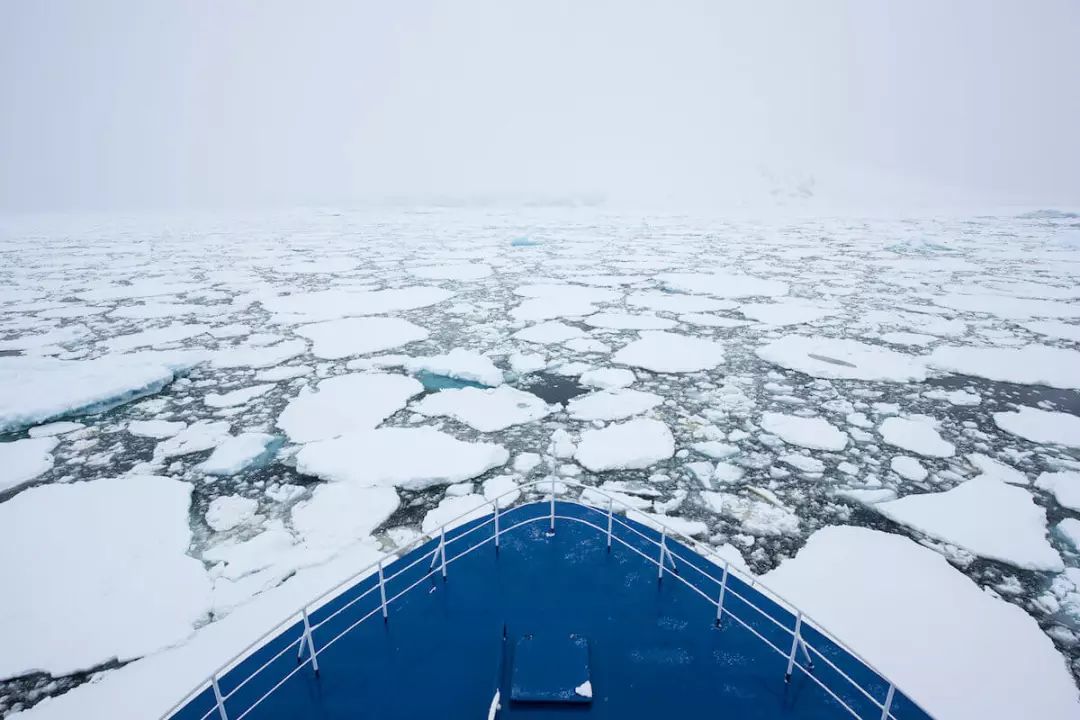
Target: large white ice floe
x=984, y=516
x=838, y=358
x=919, y=435
x=815, y=433
x=40, y=389
x=339, y=514
x=989, y=467
x=259, y=356
x=23, y=460
x=236, y=453
x=341, y=404
x=626, y=321
x=788, y=312
x=676, y=303
x=333, y=304
x=471, y=271
x=411, y=458
x=612, y=404
x=1028, y=365
x=545, y=302
x=235, y=398
x=723, y=285
x=1041, y=426
x=485, y=409
x=1065, y=486
x=666, y=352
x=110, y=577
x=460, y=364
x=336, y=339
x=156, y=336
x=909, y=612
x=1008, y=308
x=632, y=445
x=548, y=333
x=1055, y=329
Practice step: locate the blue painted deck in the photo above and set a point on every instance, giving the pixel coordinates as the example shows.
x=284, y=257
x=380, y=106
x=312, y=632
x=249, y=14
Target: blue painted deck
x=655, y=650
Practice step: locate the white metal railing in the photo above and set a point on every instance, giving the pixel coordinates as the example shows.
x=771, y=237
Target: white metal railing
x=439, y=563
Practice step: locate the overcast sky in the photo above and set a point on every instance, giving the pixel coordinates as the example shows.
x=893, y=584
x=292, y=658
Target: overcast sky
x=222, y=103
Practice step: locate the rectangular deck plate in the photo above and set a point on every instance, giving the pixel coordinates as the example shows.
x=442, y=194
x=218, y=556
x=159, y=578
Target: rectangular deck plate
x=551, y=668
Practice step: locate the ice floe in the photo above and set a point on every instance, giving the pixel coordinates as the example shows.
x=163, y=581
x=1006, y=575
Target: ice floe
x=838, y=358
x=1041, y=426
x=336, y=339
x=815, y=433
x=485, y=409
x=1028, y=365
x=410, y=458
x=632, y=445
x=460, y=364
x=607, y=378
x=917, y=435
x=625, y=321
x=228, y=511
x=114, y=550
x=666, y=352
x=341, y=404
x=612, y=404
x=23, y=460
x=1065, y=486
x=999, y=663
x=236, y=453
x=40, y=389
x=334, y=304
x=548, y=333
x=723, y=285
x=984, y=516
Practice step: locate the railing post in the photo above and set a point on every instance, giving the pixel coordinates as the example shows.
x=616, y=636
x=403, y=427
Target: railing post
x=794, y=646
x=723, y=591
x=217, y=696
x=442, y=549
x=382, y=592
x=887, y=707
x=609, y=512
x=310, y=642
x=552, y=528
x=663, y=549
x=496, y=504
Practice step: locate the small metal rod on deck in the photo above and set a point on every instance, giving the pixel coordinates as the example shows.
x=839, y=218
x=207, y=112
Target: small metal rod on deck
x=723, y=591
x=442, y=549
x=552, y=529
x=609, y=514
x=219, y=698
x=887, y=707
x=794, y=646
x=310, y=642
x=663, y=552
x=382, y=592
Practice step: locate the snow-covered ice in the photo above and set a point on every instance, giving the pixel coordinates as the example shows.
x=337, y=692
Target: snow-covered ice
x=485, y=409
x=878, y=591
x=460, y=364
x=1041, y=426
x=917, y=435
x=23, y=460
x=815, y=433
x=228, y=511
x=356, y=401
x=838, y=358
x=612, y=404
x=410, y=458
x=634, y=444
x=1065, y=485
x=665, y=352
x=336, y=339
x=114, y=550
x=985, y=516
x=236, y=453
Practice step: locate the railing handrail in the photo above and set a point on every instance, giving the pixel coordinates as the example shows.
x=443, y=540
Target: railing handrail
x=649, y=520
